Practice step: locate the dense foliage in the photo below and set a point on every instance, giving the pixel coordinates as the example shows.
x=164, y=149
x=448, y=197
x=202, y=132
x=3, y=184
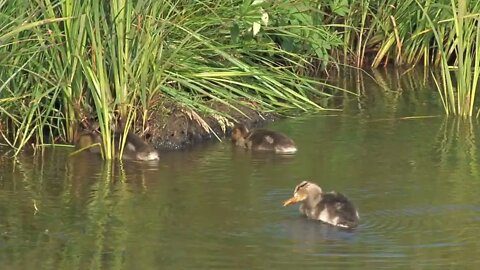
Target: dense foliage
x=65, y=62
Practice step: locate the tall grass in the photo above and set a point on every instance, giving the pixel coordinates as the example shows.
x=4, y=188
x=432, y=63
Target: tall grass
x=399, y=32
x=66, y=63
x=441, y=34
x=123, y=59
x=25, y=111
x=459, y=81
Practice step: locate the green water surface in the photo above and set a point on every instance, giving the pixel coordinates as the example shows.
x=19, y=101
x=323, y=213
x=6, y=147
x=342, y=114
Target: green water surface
x=415, y=181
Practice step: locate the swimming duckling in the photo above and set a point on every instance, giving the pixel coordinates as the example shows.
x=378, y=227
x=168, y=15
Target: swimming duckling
x=262, y=140
x=330, y=207
x=135, y=148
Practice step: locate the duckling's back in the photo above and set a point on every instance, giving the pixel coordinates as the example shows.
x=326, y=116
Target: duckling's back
x=268, y=140
x=335, y=208
x=136, y=148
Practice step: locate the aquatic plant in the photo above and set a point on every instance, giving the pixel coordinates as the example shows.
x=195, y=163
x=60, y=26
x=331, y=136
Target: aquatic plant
x=460, y=77
x=398, y=32
x=441, y=34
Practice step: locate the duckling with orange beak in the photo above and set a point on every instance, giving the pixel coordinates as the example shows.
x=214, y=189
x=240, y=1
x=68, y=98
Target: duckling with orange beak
x=330, y=207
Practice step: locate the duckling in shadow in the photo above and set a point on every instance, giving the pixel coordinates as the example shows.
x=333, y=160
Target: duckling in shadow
x=135, y=148
x=262, y=140
x=89, y=141
x=330, y=207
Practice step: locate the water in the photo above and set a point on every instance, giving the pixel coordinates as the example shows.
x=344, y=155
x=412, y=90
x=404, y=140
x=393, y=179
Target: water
x=415, y=182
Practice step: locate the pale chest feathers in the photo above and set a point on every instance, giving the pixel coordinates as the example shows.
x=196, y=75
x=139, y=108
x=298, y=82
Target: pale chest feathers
x=313, y=213
x=325, y=214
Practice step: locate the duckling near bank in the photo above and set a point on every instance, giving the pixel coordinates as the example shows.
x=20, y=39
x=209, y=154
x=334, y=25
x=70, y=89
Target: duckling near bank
x=135, y=148
x=262, y=140
x=89, y=141
x=330, y=207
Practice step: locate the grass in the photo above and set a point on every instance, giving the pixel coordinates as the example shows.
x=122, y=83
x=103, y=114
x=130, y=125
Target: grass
x=90, y=61
x=438, y=34
x=67, y=63
x=459, y=81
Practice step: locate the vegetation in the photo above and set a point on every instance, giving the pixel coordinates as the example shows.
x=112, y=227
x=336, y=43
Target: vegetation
x=65, y=63
x=442, y=33
x=123, y=58
x=459, y=99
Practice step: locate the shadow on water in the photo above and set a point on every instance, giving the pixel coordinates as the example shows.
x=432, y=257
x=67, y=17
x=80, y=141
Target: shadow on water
x=412, y=173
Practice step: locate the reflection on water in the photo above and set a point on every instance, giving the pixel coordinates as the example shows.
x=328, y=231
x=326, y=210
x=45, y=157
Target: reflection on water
x=415, y=182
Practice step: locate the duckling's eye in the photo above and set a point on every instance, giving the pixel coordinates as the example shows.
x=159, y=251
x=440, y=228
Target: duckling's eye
x=303, y=184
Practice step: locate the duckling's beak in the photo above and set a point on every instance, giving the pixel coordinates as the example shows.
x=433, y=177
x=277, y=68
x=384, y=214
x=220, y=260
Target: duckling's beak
x=295, y=199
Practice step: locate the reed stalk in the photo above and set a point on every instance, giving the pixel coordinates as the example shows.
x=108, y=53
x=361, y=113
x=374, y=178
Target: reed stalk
x=459, y=80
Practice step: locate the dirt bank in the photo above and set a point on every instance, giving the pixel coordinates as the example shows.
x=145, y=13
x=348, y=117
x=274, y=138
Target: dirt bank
x=173, y=127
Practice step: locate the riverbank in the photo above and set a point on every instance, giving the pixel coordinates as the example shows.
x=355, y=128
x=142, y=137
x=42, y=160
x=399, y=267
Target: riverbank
x=175, y=127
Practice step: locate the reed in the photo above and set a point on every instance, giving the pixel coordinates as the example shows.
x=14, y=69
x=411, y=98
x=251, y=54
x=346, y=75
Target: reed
x=398, y=32
x=66, y=63
x=459, y=78
x=122, y=59
x=25, y=109
x=442, y=34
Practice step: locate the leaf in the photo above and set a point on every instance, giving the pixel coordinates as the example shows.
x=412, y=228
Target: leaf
x=234, y=33
x=255, y=28
x=257, y=2
x=265, y=18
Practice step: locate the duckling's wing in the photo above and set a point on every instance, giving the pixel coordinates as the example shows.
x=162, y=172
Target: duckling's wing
x=340, y=207
x=269, y=139
x=261, y=136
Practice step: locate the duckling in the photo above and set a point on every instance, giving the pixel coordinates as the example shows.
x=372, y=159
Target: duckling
x=89, y=141
x=262, y=140
x=135, y=148
x=330, y=207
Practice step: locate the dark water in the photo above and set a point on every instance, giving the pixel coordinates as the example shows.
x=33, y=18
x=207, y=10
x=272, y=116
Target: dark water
x=415, y=181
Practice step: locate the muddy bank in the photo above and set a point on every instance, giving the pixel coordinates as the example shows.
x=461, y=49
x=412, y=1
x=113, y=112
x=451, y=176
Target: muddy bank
x=173, y=127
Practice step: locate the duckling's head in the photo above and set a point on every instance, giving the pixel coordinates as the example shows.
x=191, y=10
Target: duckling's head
x=239, y=132
x=90, y=141
x=141, y=151
x=85, y=140
x=304, y=191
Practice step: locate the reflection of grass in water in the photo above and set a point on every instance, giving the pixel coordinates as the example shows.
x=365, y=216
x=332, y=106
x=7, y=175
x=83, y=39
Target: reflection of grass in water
x=92, y=205
x=388, y=92
x=457, y=155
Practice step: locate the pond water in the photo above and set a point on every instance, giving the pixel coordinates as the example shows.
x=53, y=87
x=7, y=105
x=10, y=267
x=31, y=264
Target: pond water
x=414, y=180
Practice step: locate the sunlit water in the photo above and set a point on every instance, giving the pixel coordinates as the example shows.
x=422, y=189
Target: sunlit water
x=415, y=181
